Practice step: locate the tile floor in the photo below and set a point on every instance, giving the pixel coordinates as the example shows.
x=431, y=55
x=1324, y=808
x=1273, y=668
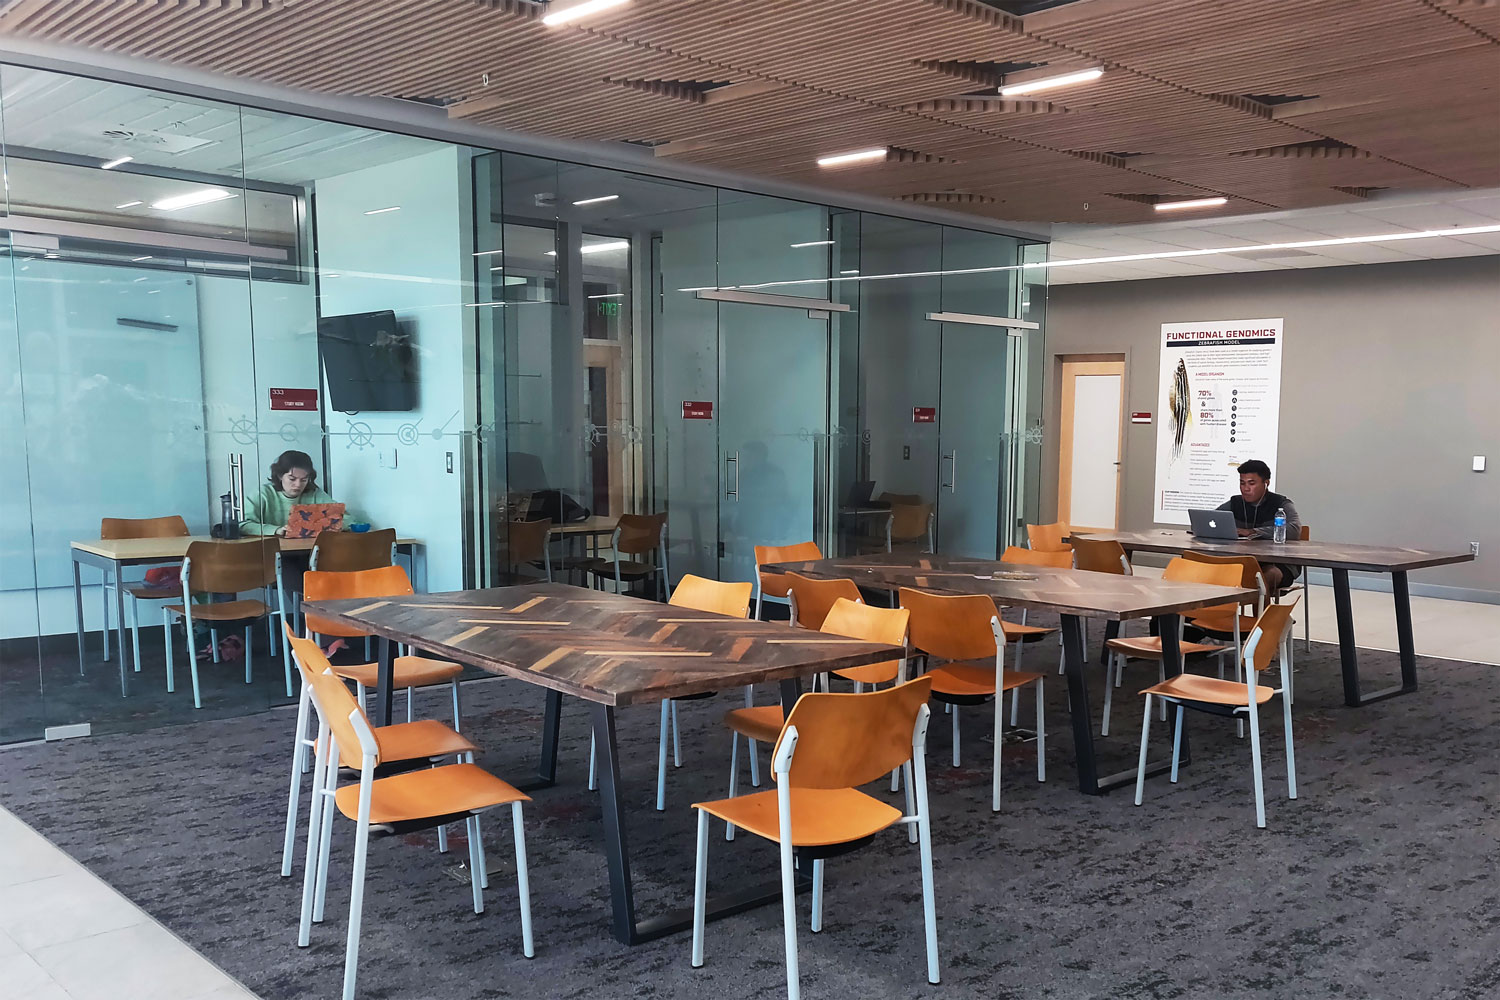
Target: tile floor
x=65, y=935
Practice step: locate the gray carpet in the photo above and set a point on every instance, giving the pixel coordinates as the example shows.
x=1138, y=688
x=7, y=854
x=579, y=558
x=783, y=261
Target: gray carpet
x=1379, y=881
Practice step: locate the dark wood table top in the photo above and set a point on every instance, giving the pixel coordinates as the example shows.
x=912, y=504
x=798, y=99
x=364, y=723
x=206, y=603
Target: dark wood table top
x=601, y=647
x=1066, y=591
x=1295, y=552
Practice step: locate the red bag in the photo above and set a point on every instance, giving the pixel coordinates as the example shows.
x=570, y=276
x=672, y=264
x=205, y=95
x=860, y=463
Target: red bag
x=163, y=576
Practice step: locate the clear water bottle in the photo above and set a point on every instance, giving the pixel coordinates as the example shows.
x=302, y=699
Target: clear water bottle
x=1279, y=533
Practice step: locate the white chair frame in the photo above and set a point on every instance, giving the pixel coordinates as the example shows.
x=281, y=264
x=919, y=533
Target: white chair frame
x=279, y=611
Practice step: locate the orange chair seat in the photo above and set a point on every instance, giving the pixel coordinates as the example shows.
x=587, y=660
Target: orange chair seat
x=423, y=738
x=1024, y=633
x=224, y=611
x=146, y=592
x=874, y=673
x=1148, y=647
x=436, y=791
x=820, y=816
x=1222, y=621
x=1210, y=690
x=975, y=678
x=760, y=722
x=409, y=672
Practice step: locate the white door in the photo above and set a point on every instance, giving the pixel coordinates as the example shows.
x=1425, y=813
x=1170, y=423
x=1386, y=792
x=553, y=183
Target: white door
x=1089, y=463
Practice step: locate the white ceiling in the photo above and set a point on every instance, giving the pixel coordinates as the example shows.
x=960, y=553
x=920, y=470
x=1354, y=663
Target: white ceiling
x=1377, y=215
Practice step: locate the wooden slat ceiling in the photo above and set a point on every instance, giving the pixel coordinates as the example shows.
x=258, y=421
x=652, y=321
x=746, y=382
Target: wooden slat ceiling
x=1271, y=103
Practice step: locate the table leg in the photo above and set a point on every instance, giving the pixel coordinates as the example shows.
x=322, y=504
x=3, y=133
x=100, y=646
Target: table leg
x=386, y=681
x=78, y=611
x=1404, y=641
x=120, y=646
x=1111, y=631
x=547, y=764
x=1349, y=652
x=791, y=690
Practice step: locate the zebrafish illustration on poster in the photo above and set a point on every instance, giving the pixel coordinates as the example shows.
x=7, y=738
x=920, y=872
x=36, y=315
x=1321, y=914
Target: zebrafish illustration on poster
x=1220, y=397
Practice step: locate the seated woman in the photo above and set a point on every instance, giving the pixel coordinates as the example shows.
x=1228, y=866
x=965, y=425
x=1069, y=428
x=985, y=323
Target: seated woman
x=293, y=481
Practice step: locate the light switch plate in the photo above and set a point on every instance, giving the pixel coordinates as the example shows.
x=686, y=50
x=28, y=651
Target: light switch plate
x=1478, y=463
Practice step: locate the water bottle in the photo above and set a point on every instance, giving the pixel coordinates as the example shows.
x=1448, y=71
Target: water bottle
x=228, y=526
x=1279, y=534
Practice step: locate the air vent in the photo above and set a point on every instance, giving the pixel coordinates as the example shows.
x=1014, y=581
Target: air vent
x=646, y=143
x=1020, y=8
x=1276, y=100
x=1269, y=254
x=896, y=154
x=1325, y=149
x=1117, y=154
x=991, y=104
x=948, y=198
x=164, y=142
x=1152, y=199
x=692, y=91
x=431, y=102
x=1359, y=192
x=987, y=73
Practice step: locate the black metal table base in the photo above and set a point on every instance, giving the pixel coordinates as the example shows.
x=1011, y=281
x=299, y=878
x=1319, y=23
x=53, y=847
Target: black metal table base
x=1349, y=652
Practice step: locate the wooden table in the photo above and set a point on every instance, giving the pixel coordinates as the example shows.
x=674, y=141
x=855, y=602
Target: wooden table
x=110, y=556
x=1073, y=594
x=1336, y=556
x=609, y=650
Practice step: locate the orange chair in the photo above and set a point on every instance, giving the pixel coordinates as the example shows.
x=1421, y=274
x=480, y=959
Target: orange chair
x=171, y=526
x=643, y=535
x=1048, y=537
x=811, y=599
x=1240, y=699
x=391, y=806
x=773, y=586
x=1055, y=558
x=1148, y=647
x=225, y=568
x=762, y=723
x=965, y=630
x=832, y=744
x=1100, y=556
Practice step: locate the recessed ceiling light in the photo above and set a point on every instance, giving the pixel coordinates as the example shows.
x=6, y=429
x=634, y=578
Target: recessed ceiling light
x=609, y=295
x=119, y=161
x=595, y=201
x=137, y=260
x=813, y=243
x=1047, y=83
x=858, y=156
x=566, y=13
x=1169, y=206
x=854, y=271
x=130, y=204
x=202, y=196
x=382, y=211
x=330, y=274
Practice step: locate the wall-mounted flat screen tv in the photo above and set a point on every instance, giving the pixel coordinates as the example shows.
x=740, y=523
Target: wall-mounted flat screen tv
x=368, y=361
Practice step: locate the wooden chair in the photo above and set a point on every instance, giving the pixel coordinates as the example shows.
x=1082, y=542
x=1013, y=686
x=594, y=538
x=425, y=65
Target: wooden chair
x=909, y=523
x=773, y=586
x=1048, y=537
x=850, y=618
x=1055, y=558
x=1148, y=647
x=965, y=631
x=234, y=567
x=390, y=806
x=348, y=551
x=811, y=600
x=1238, y=699
x=528, y=543
x=1228, y=621
x=832, y=744
x=1099, y=556
x=426, y=739
x=170, y=526
x=643, y=535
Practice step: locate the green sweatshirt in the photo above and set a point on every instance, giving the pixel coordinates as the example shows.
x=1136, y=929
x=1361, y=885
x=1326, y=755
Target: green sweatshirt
x=268, y=510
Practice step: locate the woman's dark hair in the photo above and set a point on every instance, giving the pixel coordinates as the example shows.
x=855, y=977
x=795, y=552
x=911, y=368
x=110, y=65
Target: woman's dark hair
x=290, y=460
x=1253, y=467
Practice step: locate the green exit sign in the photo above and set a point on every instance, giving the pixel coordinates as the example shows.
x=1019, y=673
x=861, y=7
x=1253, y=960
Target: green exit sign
x=608, y=308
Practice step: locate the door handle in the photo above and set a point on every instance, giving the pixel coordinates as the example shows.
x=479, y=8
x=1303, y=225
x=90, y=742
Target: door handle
x=736, y=491
x=952, y=459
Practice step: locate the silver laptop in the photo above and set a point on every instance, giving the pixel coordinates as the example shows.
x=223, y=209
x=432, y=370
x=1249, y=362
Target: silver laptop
x=1213, y=524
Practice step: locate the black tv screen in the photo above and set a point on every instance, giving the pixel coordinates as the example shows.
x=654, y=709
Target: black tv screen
x=368, y=361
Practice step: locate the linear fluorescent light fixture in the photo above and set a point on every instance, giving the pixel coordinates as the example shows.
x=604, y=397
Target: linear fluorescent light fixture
x=812, y=243
x=116, y=162
x=486, y=253
x=137, y=260
x=567, y=13
x=853, y=271
x=1172, y=206
x=609, y=295
x=382, y=211
x=858, y=156
x=130, y=204
x=1049, y=82
x=598, y=247
x=203, y=196
x=598, y=200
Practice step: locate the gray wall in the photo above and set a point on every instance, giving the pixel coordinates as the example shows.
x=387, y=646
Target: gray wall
x=1390, y=385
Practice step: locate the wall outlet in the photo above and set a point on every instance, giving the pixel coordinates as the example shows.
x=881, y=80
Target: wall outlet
x=1478, y=463
x=1474, y=549
x=450, y=463
x=906, y=451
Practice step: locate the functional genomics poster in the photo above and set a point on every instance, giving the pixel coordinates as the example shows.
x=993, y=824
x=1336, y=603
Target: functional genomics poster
x=1220, y=403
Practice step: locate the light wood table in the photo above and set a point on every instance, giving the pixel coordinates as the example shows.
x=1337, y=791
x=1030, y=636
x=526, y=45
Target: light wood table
x=609, y=650
x=111, y=556
x=1073, y=594
x=1336, y=556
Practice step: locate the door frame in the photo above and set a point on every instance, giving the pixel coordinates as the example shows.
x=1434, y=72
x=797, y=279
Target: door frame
x=1070, y=366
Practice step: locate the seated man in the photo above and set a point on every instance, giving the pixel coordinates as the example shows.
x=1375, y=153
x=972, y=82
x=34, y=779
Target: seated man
x=1254, y=513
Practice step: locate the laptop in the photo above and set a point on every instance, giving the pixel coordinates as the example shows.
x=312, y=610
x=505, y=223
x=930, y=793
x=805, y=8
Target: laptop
x=860, y=494
x=1214, y=524
x=307, y=519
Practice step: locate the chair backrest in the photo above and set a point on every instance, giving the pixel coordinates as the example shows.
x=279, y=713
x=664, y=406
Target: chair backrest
x=526, y=541
x=865, y=621
x=1059, y=559
x=909, y=521
x=1048, y=537
x=848, y=740
x=347, y=551
x=171, y=526
x=335, y=705
x=1267, y=633
x=701, y=594
x=1184, y=570
x=812, y=599
x=638, y=534
x=774, y=584
x=324, y=585
x=950, y=626
x=232, y=567
x=1100, y=556
x=1249, y=566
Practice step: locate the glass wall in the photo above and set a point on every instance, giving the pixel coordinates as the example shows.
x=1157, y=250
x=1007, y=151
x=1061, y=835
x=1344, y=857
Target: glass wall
x=456, y=338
